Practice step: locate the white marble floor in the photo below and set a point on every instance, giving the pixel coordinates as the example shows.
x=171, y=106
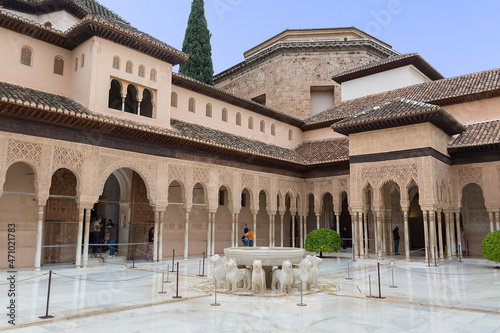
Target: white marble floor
x=454, y=297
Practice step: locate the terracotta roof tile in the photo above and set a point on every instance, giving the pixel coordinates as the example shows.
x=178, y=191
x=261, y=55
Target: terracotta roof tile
x=480, y=134
x=441, y=92
x=324, y=151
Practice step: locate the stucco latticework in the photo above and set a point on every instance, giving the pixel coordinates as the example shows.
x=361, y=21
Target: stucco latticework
x=24, y=151
x=401, y=174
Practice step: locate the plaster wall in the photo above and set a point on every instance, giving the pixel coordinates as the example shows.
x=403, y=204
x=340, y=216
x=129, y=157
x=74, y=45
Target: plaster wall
x=399, y=138
x=60, y=20
x=199, y=117
x=476, y=112
x=380, y=82
x=321, y=134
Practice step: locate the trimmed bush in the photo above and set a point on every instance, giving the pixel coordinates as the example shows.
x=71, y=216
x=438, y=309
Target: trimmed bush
x=491, y=246
x=323, y=240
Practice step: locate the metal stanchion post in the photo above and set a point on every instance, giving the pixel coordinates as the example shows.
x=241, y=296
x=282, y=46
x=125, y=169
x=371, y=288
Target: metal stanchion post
x=162, y=284
x=133, y=257
x=379, y=287
x=177, y=287
x=428, y=257
x=215, y=303
x=459, y=252
x=202, y=274
x=435, y=257
x=48, y=299
x=348, y=273
x=173, y=260
x=468, y=249
x=301, y=298
x=353, y=251
x=168, y=274
x=393, y=286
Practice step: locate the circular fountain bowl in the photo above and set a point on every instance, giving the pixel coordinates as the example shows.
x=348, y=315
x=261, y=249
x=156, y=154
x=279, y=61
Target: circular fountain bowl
x=270, y=256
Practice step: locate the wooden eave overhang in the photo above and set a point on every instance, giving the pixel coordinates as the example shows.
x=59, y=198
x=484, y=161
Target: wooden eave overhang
x=88, y=28
x=204, y=89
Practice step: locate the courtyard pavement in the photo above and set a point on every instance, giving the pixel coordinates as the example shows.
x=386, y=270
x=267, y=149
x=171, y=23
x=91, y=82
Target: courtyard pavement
x=112, y=297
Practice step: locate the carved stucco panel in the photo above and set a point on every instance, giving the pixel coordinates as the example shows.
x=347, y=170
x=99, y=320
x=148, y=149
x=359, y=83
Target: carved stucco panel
x=399, y=173
x=470, y=175
x=22, y=150
x=67, y=158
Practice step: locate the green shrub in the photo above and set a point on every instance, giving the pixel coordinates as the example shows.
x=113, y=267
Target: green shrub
x=323, y=240
x=491, y=246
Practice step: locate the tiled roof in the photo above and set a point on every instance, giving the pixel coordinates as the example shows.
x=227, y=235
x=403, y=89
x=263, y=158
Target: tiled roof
x=480, y=134
x=95, y=20
x=398, y=112
x=324, y=151
x=195, y=135
x=454, y=90
x=387, y=64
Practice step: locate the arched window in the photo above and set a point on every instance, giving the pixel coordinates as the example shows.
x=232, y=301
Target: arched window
x=59, y=65
x=82, y=61
x=263, y=126
x=129, y=67
x=115, y=96
x=76, y=64
x=173, y=99
x=208, y=112
x=152, y=76
x=290, y=135
x=131, y=99
x=192, y=105
x=142, y=71
x=273, y=130
x=147, y=104
x=26, y=56
x=238, y=119
x=224, y=115
x=250, y=123
x=116, y=62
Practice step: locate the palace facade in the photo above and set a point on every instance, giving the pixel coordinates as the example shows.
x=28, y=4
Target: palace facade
x=319, y=128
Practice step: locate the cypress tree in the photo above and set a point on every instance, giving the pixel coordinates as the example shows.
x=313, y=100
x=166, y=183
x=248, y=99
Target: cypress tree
x=197, y=45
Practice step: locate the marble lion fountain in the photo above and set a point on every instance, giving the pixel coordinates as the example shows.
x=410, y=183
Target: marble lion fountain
x=258, y=268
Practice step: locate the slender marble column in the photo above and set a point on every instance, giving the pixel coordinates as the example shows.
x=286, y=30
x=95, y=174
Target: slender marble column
x=432, y=234
x=355, y=234
x=337, y=218
x=254, y=230
x=78, y=260
x=233, y=231
x=407, y=235
x=383, y=233
x=270, y=230
x=317, y=221
x=426, y=236
x=301, y=232
x=497, y=219
x=292, y=220
x=361, y=237
x=282, y=215
x=155, y=240
x=390, y=235
x=236, y=222
x=209, y=234
x=460, y=246
x=39, y=234
x=448, y=235
x=274, y=229
x=453, y=234
x=440, y=236
x=492, y=225
x=86, y=235
x=213, y=234
x=160, y=237
x=186, y=235
x=304, y=235
x=367, y=255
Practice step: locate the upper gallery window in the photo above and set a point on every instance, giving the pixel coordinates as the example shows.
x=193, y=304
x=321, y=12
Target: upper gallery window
x=59, y=65
x=26, y=56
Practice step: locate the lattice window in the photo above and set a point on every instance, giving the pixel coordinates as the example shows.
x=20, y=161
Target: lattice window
x=238, y=119
x=82, y=61
x=273, y=130
x=129, y=67
x=26, y=56
x=152, y=76
x=224, y=115
x=116, y=63
x=173, y=99
x=142, y=71
x=58, y=65
x=208, y=112
x=192, y=105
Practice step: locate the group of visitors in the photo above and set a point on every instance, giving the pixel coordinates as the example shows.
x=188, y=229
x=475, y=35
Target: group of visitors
x=103, y=235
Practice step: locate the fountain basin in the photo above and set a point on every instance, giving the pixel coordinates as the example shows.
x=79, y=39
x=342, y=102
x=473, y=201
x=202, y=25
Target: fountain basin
x=270, y=256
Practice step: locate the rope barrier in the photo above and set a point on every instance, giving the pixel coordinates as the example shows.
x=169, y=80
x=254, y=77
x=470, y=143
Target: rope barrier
x=91, y=280
x=31, y=278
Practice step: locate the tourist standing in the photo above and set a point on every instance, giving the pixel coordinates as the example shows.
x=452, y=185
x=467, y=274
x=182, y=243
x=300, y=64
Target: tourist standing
x=395, y=232
x=151, y=238
x=96, y=235
x=250, y=238
x=111, y=236
x=245, y=238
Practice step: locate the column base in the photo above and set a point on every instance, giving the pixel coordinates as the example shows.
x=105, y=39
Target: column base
x=37, y=269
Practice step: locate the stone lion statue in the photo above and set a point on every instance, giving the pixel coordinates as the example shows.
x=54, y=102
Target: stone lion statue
x=235, y=275
x=258, y=277
x=283, y=278
x=219, y=270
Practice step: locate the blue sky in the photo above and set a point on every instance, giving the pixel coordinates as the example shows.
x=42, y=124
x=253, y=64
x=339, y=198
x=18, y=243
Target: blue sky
x=456, y=37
